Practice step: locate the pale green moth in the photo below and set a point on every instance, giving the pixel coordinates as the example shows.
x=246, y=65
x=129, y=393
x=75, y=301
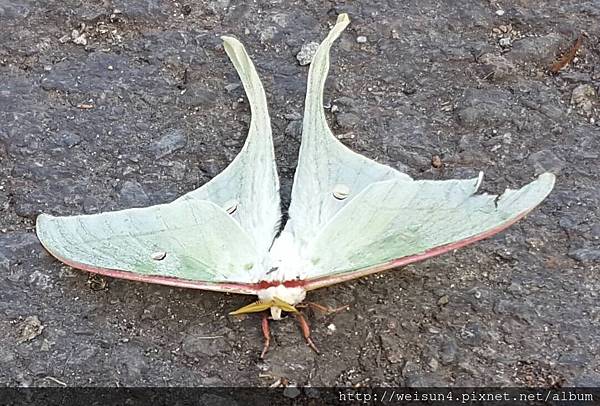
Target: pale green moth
x=349, y=216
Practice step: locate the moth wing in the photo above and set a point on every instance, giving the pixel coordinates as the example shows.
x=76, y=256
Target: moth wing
x=249, y=185
x=188, y=243
x=205, y=246
x=394, y=223
x=324, y=163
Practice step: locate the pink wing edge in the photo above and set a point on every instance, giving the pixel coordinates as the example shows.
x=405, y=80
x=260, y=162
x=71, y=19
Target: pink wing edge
x=230, y=287
x=308, y=284
x=312, y=284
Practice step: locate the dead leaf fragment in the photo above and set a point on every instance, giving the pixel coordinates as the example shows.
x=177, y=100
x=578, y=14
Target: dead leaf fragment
x=568, y=56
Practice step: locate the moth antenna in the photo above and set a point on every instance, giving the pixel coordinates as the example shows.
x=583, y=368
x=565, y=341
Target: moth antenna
x=255, y=307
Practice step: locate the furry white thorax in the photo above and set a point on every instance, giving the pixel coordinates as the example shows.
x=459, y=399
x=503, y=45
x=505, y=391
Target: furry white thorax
x=286, y=262
x=292, y=296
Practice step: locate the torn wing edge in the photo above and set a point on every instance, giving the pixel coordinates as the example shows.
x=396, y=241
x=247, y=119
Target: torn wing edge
x=324, y=281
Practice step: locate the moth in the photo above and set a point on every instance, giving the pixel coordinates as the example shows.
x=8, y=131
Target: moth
x=349, y=216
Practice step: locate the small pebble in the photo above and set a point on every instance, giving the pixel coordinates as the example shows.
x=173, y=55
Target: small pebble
x=173, y=140
x=361, y=39
x=583, y=96
x=231, y=87
x=78, y=38
x=500, y=12
x=30, y=328
x=307, y=52
x=505, y=42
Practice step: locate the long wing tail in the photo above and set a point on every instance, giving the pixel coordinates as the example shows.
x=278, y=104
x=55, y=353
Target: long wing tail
x=249, y=186
x=325, y=164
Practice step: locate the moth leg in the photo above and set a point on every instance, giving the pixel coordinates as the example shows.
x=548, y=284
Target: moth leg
x=306, y=331
x=266, y=334
x=324, y=309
